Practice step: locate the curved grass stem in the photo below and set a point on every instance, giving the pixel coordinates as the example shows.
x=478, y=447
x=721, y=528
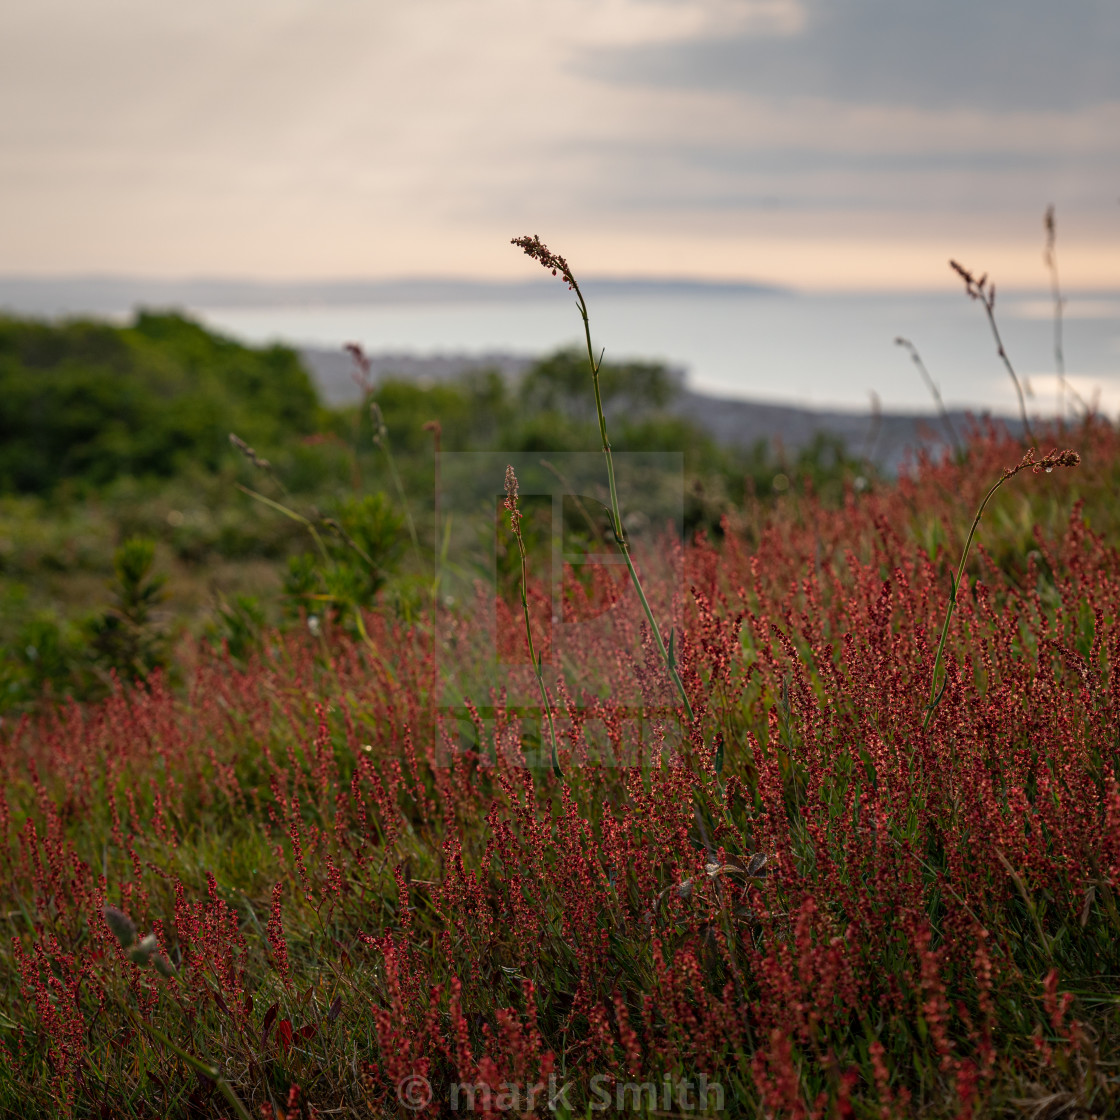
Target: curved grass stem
x=199, y=1066
x=1048, y=463
x=616, y=514
x=557, y=265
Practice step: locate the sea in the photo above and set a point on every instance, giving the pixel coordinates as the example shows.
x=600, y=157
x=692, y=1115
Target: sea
x=825, y=351
x=819, y=350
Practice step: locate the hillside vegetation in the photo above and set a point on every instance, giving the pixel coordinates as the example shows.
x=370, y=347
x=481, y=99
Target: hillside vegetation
x=113, y=434
x=352, y=902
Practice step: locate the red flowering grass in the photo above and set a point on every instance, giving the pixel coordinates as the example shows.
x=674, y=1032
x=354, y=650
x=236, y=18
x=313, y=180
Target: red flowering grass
x=857, y=916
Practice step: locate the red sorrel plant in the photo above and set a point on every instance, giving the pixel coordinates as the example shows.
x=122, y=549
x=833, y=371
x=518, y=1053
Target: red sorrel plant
x=557, y=265
x=1048, y=463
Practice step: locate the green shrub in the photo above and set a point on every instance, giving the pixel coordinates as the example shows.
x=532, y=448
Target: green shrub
x=90, y=402
x=126, y=638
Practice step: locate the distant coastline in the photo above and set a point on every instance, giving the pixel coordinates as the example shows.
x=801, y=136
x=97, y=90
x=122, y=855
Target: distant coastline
x=120, y=295
x=743, y=341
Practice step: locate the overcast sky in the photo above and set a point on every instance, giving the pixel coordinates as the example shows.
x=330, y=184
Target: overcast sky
x=820, y=143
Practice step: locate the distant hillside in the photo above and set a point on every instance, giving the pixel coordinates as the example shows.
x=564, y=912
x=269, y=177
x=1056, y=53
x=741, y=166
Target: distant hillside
x=886, y=439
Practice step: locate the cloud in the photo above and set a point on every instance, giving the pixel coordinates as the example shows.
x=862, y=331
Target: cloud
x=344, y=137
x=1000, y=55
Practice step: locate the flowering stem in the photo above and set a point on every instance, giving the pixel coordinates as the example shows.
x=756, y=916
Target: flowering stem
x=616, y=515
x=556, y=264
x=984, y=290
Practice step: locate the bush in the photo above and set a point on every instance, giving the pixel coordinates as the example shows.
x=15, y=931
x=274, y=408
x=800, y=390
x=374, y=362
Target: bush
x=126, y=639
x=90, y=402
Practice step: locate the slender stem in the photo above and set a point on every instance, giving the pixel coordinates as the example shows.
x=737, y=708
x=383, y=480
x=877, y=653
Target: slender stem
x=931, y=385
x=989, y=306
x=433, y=426
x=934, y=694
x=398, y=486
x=616, y=515
x=537, y=666
x=298, y=517
x=1056, y=458
x=1056, y=294
x=381, y=441
x=212, y=1072
x=1059, y=305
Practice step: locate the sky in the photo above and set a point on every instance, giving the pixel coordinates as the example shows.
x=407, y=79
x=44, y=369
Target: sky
x=823, y=144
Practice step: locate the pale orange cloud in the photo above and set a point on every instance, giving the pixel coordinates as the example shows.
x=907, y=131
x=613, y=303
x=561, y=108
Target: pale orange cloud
x=334, y=138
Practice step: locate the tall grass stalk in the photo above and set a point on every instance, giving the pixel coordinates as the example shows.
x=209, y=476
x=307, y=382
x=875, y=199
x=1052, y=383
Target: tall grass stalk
x=984, y=290
x=935, y=392
x=1048, y=463
x=535, y=248
x=1051, y=258
x=309, y=525
x=363, y=370
x=1056, y=292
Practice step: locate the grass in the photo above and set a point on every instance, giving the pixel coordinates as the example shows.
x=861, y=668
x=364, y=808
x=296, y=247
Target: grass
x=886, y=958
x=840, y=884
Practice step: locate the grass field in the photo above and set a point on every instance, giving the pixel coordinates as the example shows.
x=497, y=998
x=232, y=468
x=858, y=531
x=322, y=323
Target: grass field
x=804, y=898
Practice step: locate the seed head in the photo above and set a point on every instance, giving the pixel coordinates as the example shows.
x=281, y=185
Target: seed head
x=142, y=952
x=121, y=926
x=980, y=288
x=534, y=247
x=249, y=453
x=377, y=423
x=362, y=368
x=359, y=355
x=163, y=966
x=1047, y=463
x=511, y=499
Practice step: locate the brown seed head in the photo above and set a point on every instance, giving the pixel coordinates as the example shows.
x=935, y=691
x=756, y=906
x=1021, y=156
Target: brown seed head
x=359, y=355
x=1055, y=458
x=534, y=247
x=976, y=288
x=249, y=453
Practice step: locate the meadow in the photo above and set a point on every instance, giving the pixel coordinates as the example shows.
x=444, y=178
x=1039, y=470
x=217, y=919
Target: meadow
x=849, y=852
